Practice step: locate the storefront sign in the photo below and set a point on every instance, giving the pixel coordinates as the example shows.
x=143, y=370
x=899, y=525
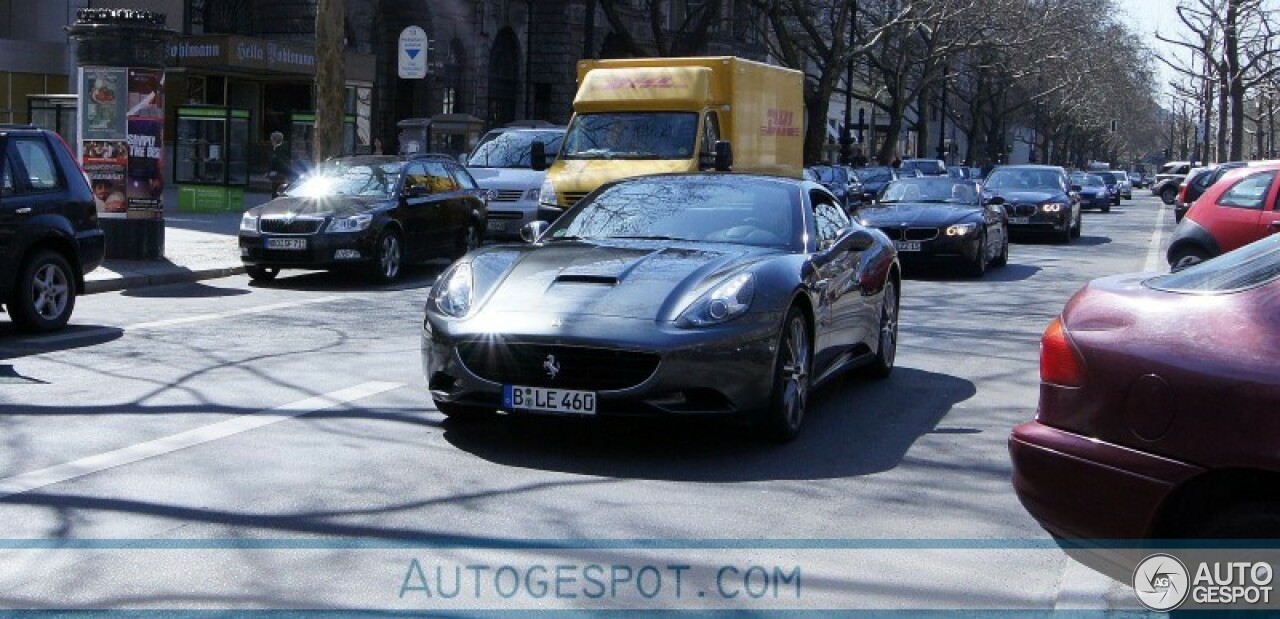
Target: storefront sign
x=245, y=53
x=104, y=90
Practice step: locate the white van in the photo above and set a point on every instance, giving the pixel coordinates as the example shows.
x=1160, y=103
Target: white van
x=503, y=162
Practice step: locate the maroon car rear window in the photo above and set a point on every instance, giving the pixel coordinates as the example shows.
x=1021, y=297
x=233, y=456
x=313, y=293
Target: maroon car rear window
x=1250, y=266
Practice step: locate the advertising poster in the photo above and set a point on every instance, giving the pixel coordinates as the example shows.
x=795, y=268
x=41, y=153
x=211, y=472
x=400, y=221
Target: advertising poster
x=105, y=163
x=145, y=179
x=105, y=103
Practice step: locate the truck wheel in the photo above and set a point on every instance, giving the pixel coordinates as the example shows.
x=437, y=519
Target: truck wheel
x=45, y=295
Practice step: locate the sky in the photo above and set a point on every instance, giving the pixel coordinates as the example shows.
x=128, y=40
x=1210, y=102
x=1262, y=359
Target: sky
x=1145, y=18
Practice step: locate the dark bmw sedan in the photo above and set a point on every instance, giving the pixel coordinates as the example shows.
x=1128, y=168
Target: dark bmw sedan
x=1038, y=198
x=693, y=294
x=1093, y=191
x=939, y=219
x=1159, y=411
x=373, y=213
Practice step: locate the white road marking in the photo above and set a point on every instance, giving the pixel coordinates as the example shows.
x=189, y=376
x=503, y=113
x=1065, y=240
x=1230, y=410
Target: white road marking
x=160, y=324
x=1153, y=249
x=25, y=482
x=1081, y=588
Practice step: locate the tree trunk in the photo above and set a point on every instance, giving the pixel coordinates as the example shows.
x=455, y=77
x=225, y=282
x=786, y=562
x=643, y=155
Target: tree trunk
x=1225, y=115
x=330, y=79
x=889, y=148
x=922, y=124
x=1234, y=80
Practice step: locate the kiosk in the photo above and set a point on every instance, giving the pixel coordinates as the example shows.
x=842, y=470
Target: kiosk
x=211, y=158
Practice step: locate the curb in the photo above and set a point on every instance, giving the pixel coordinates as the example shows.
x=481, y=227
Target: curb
x=127, y=282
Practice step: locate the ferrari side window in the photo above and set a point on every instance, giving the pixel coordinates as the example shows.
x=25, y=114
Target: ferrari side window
x=830, y=219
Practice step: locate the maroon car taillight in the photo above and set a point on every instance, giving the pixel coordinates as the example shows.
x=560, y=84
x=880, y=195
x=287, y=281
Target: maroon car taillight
x=1060, y=362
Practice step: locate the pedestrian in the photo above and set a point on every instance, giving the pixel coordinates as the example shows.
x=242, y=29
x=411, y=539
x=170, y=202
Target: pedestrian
x=280, y=166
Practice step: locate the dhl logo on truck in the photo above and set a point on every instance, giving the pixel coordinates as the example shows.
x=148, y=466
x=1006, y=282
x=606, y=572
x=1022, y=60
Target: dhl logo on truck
x=781, y=123
x=657, y=81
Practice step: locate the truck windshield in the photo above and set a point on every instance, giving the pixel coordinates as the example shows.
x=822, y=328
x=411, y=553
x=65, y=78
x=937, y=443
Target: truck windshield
x=511, y=149
x=632, y=135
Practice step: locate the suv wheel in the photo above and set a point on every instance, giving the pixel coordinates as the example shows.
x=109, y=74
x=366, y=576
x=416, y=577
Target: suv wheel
x=45, y=295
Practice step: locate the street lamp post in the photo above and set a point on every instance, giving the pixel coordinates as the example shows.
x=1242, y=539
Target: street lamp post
x=846, y=136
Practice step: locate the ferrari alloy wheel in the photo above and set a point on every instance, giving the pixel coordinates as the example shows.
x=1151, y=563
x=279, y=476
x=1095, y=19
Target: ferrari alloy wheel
x=790, y=380
x=882, y=365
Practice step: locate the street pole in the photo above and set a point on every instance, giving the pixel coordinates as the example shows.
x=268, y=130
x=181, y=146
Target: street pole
x=846, y=135
x=942, y=118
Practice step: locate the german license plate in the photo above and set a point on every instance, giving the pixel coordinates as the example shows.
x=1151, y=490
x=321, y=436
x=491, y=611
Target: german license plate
x=275, y=243
x=562, y=401
x=907, y=245
x=1019, y=220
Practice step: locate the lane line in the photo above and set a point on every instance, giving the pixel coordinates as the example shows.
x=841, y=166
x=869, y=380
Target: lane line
x=1153, y=248
x=160, y=324
x=26, y=482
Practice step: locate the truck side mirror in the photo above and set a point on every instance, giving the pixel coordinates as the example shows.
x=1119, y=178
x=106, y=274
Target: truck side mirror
x=538, y=156
x=724, y=156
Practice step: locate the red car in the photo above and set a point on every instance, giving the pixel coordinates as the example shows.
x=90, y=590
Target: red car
x=1159, y=413
x=1240, y=208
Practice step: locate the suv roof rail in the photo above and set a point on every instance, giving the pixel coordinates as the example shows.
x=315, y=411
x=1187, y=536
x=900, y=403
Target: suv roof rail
x=435, y=156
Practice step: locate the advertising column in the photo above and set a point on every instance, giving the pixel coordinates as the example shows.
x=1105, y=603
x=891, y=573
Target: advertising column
x=121, y=120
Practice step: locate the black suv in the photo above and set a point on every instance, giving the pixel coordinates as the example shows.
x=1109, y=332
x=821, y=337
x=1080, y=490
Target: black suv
x=373, y=212
x=49, y=234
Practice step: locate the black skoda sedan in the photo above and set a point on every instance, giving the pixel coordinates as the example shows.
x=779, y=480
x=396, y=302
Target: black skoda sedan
x=1038, y=198
x=940, y=219
x=370, y=212
x=678, y=295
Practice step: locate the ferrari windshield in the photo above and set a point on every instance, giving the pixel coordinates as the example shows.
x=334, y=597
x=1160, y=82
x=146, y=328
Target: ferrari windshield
x=632, y=135
x=729, y=209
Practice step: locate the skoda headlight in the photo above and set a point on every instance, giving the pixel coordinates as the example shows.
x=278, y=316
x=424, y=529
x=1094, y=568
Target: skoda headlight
x=354, y=223
x=453, y=293
x=1052, y=207
x=547, y=194
x=961, y=229
x=728, y=300
x=249, y=223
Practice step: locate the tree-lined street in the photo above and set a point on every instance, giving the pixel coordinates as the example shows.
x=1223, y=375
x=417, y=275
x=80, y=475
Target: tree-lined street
x=223, y=410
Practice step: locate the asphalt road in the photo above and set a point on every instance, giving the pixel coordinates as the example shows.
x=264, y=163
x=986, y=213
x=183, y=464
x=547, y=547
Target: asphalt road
x=230, y=444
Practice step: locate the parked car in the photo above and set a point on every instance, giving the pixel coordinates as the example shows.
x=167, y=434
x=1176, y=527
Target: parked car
x=369, y=212
x=875, y=178
x=836, y=179
x=503, y=161
x=1112, y=181
x=1238, y=209
x=1193, y=186
x=1092, y=190
x=1169, y=180
x=927, y=167
x=49, y=234
x=1038, y=198
x=1157, y=406
x=667, y=295
x=941, y=220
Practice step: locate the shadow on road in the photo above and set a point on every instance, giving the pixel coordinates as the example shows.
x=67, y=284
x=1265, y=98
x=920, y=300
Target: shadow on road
x=14, y=344
x=412, y=277
x=855, y=427
x=195, y=290
x=943, y=273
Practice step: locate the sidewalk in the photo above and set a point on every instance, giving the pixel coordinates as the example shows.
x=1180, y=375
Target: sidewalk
x=197, y=246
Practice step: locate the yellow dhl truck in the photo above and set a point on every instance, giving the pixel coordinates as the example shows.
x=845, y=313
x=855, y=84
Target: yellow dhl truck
x=654, y=115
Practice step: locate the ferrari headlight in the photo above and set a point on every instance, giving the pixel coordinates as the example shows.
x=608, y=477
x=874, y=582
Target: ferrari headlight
x=961, y=229
x=1052, y=207
x=453, y=293
x=355, y=223
x=249, y=223
x=728, y=300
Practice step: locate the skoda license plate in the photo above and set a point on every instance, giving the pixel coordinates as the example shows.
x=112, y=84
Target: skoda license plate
x=276, y=243
x=562, y=401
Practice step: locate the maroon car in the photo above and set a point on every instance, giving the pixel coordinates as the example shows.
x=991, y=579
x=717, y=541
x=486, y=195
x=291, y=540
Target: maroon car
x=1159, y=412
